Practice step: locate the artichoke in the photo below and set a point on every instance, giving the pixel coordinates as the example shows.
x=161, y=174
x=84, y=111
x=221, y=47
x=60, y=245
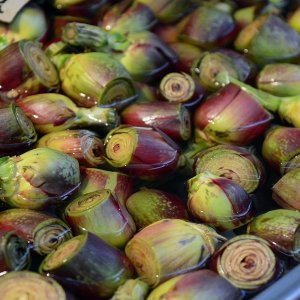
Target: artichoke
x=38, y=178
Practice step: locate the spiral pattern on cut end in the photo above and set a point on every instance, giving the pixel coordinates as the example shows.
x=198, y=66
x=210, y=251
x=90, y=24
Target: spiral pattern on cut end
x=247, y=262
x=40, y=64
x=177, y=87
x=51, y=235
x=30, y=285
x=120, y=146
x=17, y=253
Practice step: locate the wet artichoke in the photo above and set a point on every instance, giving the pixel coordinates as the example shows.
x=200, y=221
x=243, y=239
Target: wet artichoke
x=286, y=191
x=281, y=227
x=248, y=262
x=171, y=118
x=128, y=16
x=52, y=112
x=231, y=116
x=210, y=64
x=155, y=58
x=200, y=285
x=38, y=178
x=232, y=162
x=147, y=206
x=93, y=179
x=84, y=145
x=88, y=266
x=286, y=107
x=281, y=148
x=146, y=153
x=26, y=70
x=42, y=232
x=181, y=88
x=259, y=37
x=17, y=132
x=96, y=79
x=280, y=79
x=219, y=202
x=170, y=247
x=101, y=214
x=209, y=27
x=30, y=284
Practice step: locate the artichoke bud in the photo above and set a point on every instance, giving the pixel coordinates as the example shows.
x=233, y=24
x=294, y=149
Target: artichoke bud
x=38, y=178
x=210, y=64
x=142, y=152
x=84, y=145
x=17, y=132
x=232, y=116
x=200, y=285
x=219, y=202
x=281, y=227
x=281, y=148
x=280, y=79
x=26, y=70
x=128, y=16
x=94, y=179
x=170, y=247
x=232, y=162
x=97, y=79
x=51, y=112
x=171, y=118
x=286, y=191
x=155, y=57
x=101, y=214
x=286, y=107
x=209, y=27
x=88, y=266
x=258, y=38
x=42, y=232
x=147, y=206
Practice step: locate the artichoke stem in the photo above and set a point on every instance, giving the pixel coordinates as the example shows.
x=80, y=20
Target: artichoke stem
x=105, y=118
x=93, y=37
x=268, y=101
x=177, y=87
x=84, y=35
